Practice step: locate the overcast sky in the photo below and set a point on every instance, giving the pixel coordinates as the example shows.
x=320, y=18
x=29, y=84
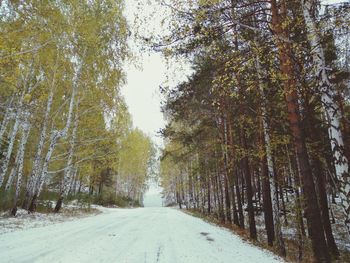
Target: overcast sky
x=142, y=89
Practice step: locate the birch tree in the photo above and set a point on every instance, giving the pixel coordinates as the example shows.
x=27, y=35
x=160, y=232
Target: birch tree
x=55, y=136
x=24, y=140
x=5, y=162
x=69, y=169
x=333, y=114
x=59, y=49
x=6, y=118
x=37, y=160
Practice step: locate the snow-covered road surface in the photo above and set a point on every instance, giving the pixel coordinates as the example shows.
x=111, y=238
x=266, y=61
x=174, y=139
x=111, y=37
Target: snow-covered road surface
x=130, y=235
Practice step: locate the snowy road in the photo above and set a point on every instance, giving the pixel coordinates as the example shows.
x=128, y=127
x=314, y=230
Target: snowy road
x=130, y=235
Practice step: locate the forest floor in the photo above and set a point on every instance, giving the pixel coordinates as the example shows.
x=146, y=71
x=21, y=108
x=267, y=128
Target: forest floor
x=131, y=235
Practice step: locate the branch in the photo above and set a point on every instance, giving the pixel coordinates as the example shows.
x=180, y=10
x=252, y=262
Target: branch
x=27, y=51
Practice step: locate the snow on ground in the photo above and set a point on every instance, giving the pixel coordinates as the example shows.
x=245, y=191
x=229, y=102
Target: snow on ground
x=131, y=235
x=23, y=220
x=153, y=197
x=290, y=231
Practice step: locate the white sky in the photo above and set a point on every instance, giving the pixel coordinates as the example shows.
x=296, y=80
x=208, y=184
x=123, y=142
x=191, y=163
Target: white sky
x=142, y=94
x=142, y=89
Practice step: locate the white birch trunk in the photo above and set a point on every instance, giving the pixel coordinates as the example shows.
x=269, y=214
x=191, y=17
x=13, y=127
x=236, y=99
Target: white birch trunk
x=274, y=190
x=25, y=136
x=67, y=179
x=71, y=153
x=37, y=161
x=56, y=135
x=332, y=110
x=6, y=120
x=4, y=166
x=24, y=140
x=20, y=153
x=14, y=169
x=73, y=184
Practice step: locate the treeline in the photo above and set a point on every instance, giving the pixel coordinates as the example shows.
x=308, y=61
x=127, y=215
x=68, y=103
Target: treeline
x=65, y=127
x=262, y=124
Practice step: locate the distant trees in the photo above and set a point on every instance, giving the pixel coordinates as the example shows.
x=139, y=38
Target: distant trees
x=135, y=159
x=262, y=119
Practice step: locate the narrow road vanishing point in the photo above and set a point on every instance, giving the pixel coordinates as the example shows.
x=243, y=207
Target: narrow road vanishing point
x=140, y=235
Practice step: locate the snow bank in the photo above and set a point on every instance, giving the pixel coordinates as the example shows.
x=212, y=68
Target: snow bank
x=24, y=220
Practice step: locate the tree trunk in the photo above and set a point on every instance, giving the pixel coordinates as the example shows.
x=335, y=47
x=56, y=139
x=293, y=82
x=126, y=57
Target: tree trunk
x=4, y=166
x=269, y=174
x=220, y=195
x=268, y=211
x=283, y=206
x=56, y=135
x=324, y=208
x=32, y=181
x=227, y=200
x=299, y=221
x=312, y=208
x=68, y=173
x=24, y=140
x=230, y=157
x=208, y=195
x=331, y=108
x=6, y=119
x=239, y=201
x=318, y=167
x=13, y=171
x=226, y=174
x=20, y=152
x=249, y=190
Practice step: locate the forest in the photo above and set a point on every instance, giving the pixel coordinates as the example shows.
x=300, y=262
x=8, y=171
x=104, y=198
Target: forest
x=257, y=138
x=65, y=127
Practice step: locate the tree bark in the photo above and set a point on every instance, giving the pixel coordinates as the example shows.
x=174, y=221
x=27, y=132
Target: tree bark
x=239, y=201
x=13, y=171
x=68, y=173
x=269, y=176
x=56, y=135
x=20, y=152
x=32, y=181
x=6, y=119
x=311, y=203
x=318, y=167
x=4, y=166
x=230, y=156
x=331, y=108
x=249, y=190
x=226, y=173
x=267, y=203
x=24, y=140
